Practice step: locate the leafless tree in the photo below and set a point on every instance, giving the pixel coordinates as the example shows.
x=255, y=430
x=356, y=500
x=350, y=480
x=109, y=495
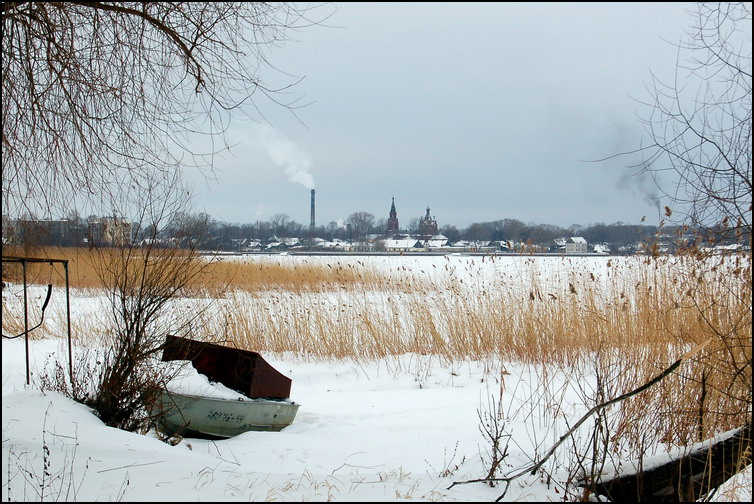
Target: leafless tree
x=361, y=224
x=279, y=223
x=699, y=125
x=143, y=279
x=700, y=128
x=100, y=94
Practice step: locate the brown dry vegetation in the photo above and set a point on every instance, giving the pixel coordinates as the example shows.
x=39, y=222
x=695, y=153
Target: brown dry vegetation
x=627, y=325
x=217, y=277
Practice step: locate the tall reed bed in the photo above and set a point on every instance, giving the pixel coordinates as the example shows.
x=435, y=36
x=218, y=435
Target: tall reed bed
x=622, y=319
x=221, y=274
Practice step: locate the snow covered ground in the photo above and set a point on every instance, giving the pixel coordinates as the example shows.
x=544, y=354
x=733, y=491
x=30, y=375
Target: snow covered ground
x=400, y=428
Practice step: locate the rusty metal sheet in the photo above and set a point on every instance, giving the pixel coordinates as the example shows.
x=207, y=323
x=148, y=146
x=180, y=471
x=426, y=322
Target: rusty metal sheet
x=241, y=370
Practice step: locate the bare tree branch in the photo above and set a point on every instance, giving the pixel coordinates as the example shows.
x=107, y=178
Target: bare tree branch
x=699, y=125
x=100, y=94
x=532, y=468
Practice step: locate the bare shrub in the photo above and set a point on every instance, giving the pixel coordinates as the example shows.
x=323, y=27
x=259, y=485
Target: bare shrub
x=51, y=475
x=492, y=425
x=143, y=282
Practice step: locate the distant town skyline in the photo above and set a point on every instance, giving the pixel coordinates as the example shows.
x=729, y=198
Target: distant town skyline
x=406, y=221
x=483, y=111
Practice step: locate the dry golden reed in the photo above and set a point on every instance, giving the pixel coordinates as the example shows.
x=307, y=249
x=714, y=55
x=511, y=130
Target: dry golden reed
x=84, y=270
x=627, y=322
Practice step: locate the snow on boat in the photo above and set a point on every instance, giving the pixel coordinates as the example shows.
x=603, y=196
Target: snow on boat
x=255, y=396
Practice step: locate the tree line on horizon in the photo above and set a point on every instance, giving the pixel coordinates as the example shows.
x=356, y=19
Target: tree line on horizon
x=207, y=233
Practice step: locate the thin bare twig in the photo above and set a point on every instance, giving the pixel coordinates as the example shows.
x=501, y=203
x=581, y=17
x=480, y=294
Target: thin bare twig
x=532, y=468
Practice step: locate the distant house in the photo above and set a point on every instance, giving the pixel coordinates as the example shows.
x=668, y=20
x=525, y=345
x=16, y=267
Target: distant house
x=335, y=244
x=601, y=248
x=249, y=245
x=437, y=242
x=575, y=245
x=572, y=245
x=408, y=245
x=508, y=246
x=282, y=244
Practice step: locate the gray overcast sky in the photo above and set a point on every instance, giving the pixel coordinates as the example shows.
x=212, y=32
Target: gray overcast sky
x=481, y=111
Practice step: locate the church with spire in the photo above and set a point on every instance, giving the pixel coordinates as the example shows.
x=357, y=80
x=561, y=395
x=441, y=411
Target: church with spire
x=427, y=224
x=392, y=222
x=425, y=237
x=427, y=227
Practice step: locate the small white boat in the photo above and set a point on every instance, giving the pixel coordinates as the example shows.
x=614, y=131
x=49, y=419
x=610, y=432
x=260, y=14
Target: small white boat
x=185, y=415
x=262, y=402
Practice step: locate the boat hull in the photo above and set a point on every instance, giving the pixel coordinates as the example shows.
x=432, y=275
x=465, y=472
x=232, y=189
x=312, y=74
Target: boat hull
x=178, y=414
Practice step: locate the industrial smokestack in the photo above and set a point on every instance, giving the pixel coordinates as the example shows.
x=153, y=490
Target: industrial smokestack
x=311, y=224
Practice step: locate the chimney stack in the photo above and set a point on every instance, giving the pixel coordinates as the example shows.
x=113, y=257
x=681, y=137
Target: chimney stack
x=311, y=224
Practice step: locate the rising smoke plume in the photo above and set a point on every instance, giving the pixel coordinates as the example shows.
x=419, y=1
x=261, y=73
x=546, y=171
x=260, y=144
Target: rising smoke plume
x=641, y=184
x=286, y=154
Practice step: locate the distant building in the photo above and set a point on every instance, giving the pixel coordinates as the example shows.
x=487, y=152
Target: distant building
x=112, y=232
x=407, y=245
x=437, y=242
x=575, y=245
x=427, y=226
x=60, y=232
x=281, y=244
x=248, y=245
x=571, y=245
x=602, y=248
x=427, y=234
x=392, y=222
